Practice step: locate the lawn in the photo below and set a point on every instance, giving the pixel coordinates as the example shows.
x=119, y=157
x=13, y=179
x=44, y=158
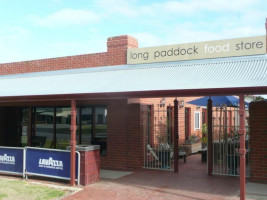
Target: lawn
x=16, y=189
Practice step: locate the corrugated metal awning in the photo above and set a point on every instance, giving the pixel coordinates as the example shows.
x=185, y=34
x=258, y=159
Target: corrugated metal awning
x=236, y=72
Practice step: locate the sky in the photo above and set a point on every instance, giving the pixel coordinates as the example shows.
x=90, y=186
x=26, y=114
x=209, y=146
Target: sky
x=36, y=29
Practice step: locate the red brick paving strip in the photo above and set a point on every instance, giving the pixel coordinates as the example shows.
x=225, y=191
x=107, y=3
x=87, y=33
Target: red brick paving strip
x=192, y=182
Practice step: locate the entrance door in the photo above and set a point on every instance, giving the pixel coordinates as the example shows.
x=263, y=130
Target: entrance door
x=187, y=122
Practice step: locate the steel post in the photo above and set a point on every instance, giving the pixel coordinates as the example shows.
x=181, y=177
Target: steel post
x=242, y=149
x=176, y=136
x=73, y=142
x=210, y=148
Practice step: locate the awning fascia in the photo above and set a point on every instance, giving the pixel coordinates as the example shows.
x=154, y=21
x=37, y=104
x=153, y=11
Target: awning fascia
x=139, y=94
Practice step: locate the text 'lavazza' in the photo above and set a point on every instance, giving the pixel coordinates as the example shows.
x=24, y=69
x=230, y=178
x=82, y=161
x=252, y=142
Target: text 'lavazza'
x=5, y=159
x=50, y=163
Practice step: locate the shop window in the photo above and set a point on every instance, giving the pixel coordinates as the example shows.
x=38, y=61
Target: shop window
x=99, y=128
x=24, y=126
x=42, y=132
x=63, y=121
x=86, y=125
x=100, y=119
x=93, y=127
x=51, y=127
x=197, y=120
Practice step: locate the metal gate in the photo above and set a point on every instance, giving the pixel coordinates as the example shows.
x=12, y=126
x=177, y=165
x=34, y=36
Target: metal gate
x=225, y=127
x=158, y=133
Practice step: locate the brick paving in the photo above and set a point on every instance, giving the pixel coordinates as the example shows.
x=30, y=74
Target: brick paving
x=192, y=182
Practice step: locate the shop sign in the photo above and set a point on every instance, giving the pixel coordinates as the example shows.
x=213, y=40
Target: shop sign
x=11, y=160
x=51, y=163
x=201, y=50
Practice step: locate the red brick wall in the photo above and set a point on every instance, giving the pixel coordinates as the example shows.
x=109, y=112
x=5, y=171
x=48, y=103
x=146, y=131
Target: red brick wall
x=116, y=55
x=125, y=138
x=258, y=141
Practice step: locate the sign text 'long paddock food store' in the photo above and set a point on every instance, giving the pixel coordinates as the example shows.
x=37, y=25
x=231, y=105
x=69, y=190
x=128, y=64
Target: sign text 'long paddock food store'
x=200, y=50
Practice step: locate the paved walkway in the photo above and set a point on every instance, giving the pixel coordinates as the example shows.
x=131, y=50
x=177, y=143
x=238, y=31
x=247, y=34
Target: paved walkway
x=256, y=191
x=192, y=182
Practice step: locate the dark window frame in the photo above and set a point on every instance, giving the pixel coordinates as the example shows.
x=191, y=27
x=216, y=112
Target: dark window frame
x=32, y=120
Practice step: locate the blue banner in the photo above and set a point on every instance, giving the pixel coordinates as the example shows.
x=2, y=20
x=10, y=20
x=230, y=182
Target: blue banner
x=49, y=162
x=11, y=160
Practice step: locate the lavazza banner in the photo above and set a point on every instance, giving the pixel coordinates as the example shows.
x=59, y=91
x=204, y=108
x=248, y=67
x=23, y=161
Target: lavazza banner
x=50, y=163
x=11, y=160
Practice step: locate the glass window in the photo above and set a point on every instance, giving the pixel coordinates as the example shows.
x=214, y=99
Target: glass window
x=42, y=135
x=99, y=128
x=63, y=121
x=197, y=120
x=93, y=127
x=100, y=122
x=24, y=126
x=86, y=125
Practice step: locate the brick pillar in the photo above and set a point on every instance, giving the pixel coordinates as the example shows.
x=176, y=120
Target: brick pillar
x=258, y=141
x=90, y=164
x=117, y=49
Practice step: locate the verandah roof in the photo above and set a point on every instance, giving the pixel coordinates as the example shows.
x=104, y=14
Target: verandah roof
x=248, y=72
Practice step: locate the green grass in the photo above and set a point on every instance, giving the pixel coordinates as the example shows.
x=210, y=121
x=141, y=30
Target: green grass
x=2, y=195
x=14, y=189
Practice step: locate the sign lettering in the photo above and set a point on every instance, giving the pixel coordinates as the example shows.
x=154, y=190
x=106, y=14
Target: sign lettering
x=200, y=50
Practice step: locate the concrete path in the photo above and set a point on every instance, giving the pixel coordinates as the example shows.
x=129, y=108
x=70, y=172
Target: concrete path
x=256, y=191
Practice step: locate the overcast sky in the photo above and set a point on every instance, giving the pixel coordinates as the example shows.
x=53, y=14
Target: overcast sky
x=34, y=29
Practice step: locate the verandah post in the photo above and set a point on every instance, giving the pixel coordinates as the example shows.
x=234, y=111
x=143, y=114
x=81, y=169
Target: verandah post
x=210, y=148
x=176, y=136
x=73, y=142
x=242, y=149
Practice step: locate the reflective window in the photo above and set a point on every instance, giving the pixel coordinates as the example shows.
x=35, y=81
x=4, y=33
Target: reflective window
x=86, y=124
x=197, y=120
x=24, y=127
x=91, y=127
x=100, y=123
x=94, y=127
x=63, y=121
x=42, y=135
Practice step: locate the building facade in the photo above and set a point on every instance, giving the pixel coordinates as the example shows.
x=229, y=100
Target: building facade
x=120, y=126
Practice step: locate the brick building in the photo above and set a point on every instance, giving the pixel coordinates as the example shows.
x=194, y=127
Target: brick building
x=123, y=145
x=117, y=102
